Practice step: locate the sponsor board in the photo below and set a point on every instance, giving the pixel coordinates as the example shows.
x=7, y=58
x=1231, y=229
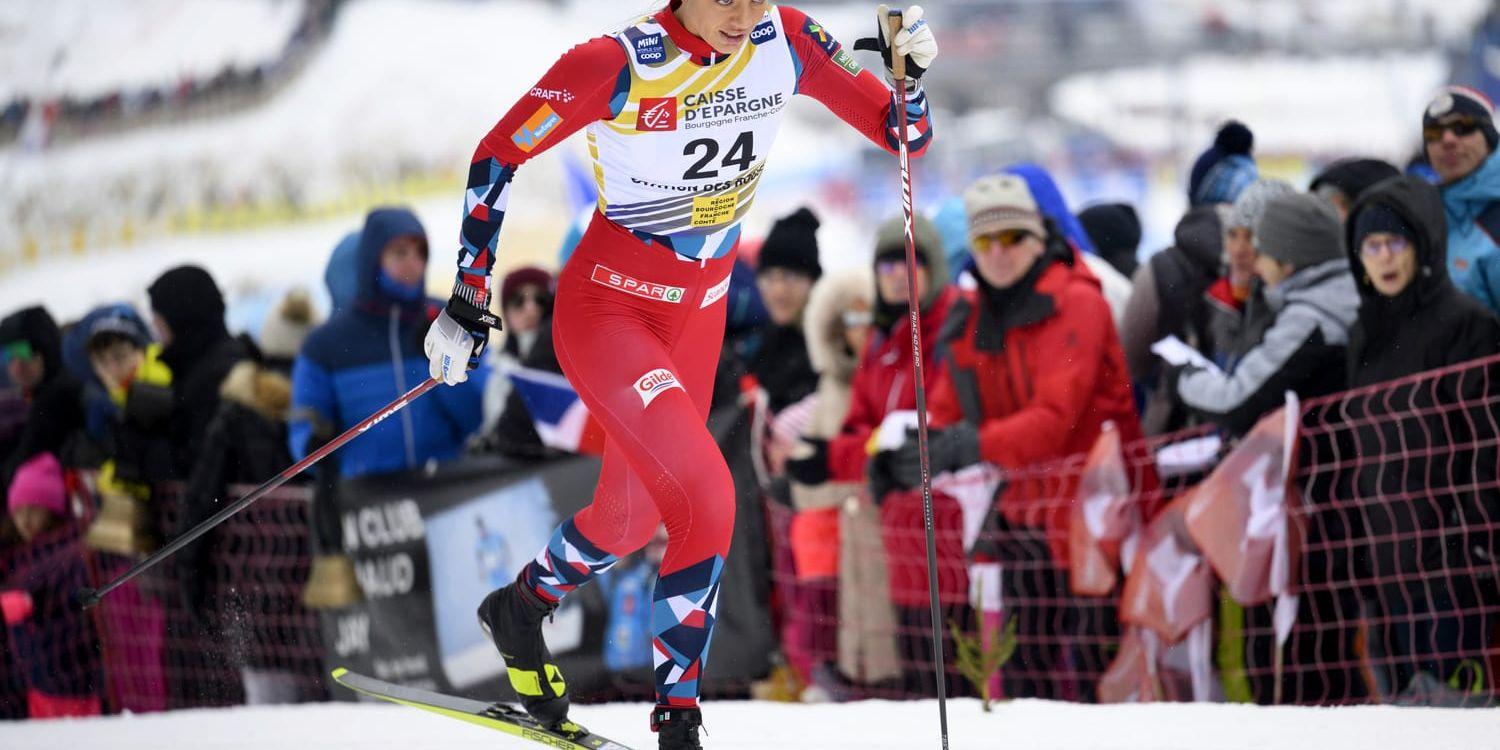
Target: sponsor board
x=645, y=289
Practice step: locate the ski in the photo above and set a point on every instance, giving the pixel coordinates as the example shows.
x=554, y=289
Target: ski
x=499, y=716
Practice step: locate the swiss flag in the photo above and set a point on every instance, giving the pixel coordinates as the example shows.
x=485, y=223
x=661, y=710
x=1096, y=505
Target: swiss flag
x=657, y=113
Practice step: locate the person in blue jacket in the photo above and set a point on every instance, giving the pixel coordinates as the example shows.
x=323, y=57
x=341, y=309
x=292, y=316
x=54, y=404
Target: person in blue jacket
x=1459, y=137
x=370, y=352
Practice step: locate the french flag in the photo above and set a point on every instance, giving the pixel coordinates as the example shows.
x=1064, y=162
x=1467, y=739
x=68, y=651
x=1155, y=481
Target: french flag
x=561, y=418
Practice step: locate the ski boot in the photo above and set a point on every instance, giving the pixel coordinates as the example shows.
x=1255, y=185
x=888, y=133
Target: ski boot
x=676, y=728
x=512, y=617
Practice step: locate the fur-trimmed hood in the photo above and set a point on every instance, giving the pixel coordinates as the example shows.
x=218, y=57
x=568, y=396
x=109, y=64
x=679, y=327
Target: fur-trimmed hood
x=822, y=321
x=262, y=390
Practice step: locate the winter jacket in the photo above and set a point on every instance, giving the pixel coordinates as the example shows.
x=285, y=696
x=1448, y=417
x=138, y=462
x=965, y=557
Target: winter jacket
x=883, y=382
x=367, y=355
x=1472, y=207
x=1168, y=294
x=1303, y=350
x=1038, y=369
x=54, y=412
x=52, y=640
x=780, y=363
x=867, y=650
x=1429, y=325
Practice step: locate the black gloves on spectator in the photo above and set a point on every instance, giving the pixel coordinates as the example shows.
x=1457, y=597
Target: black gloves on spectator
x=947, y=450
x=809, y=463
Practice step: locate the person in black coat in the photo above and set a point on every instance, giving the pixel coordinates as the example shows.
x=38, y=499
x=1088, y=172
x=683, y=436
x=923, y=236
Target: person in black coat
x=777, y=354
x=1428, y=491
x=32, y=351
x=188, y=312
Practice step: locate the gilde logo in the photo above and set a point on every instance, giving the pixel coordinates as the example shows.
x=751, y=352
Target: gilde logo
x=763, y=33
x=657, y=113
x=646, y=289
x=655, y=383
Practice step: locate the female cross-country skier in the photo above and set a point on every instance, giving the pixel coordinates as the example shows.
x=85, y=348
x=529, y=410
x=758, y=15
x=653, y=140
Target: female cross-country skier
x=680, y=109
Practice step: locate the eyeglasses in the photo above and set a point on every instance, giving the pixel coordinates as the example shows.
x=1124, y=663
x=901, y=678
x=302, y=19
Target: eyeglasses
x=1461, y=127
x=521, y=299
x=19, y=350
x=1004, y=238
x=1373, y=244
x=888, y=267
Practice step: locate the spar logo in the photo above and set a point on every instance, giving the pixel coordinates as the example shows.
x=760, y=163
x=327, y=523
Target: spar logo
x=647, y=289
x=536, y=128
x=657, y=113
x=764, y=32
x=655, y=383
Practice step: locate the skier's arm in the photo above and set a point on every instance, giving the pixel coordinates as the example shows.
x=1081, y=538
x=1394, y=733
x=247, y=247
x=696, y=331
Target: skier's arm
x=577, y=91
x=580, y=88
x=827, y=72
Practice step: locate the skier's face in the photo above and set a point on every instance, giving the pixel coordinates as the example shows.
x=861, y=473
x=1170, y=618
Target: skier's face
x=724, y=24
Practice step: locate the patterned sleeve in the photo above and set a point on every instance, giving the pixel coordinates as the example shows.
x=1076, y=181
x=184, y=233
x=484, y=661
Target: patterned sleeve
x=585, y=85
x=826, y=71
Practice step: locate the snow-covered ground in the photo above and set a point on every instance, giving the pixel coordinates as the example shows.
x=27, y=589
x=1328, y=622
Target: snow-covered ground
x=875, y=725
x=87, y=48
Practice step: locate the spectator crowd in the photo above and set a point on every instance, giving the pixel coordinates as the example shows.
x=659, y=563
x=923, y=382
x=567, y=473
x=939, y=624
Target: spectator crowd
x=1041, y=330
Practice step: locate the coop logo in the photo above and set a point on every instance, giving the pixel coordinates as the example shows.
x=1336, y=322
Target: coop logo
x=649, y=49
x=536, y=128
x=764, y=32
x=657, y=113
x=646, y=289
x=655, y=383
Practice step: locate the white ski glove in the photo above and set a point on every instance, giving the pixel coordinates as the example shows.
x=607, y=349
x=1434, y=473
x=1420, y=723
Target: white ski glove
x=452, y=349
x=915, y=41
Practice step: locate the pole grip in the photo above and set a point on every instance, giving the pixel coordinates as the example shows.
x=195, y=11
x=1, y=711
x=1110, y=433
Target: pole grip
x=893, y=27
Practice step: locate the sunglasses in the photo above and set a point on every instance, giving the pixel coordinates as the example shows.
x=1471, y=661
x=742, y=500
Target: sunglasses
x=1004, y=238
x=1463, y=126
x=19, y=350
x=1395, y=243
x=521, y=299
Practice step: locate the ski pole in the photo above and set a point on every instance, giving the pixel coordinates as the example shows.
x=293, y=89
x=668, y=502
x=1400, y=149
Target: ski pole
x=898, y=71
x=87, y=597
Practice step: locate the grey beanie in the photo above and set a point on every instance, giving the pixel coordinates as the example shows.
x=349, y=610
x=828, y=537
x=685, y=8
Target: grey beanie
x=1251, y=204
x=1299, y=229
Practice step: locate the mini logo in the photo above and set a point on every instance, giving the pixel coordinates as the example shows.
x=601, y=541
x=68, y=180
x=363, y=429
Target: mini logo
x=649, y=49
x=715, y=293
x=535, y=129
x=764, y=32
x=649, y=290
x=655, y=383
x=657, y=113
x=552, y=95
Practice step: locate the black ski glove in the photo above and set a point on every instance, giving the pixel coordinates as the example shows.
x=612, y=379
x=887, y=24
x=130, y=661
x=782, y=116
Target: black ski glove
x=809, y=462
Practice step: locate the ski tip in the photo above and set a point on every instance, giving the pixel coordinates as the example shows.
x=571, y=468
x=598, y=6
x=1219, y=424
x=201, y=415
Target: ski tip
x=338, y=673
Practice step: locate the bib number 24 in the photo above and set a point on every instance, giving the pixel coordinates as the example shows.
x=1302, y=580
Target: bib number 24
x=741, y=154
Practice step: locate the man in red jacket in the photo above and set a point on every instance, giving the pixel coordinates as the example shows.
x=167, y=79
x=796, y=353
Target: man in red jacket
x=1033, y=369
